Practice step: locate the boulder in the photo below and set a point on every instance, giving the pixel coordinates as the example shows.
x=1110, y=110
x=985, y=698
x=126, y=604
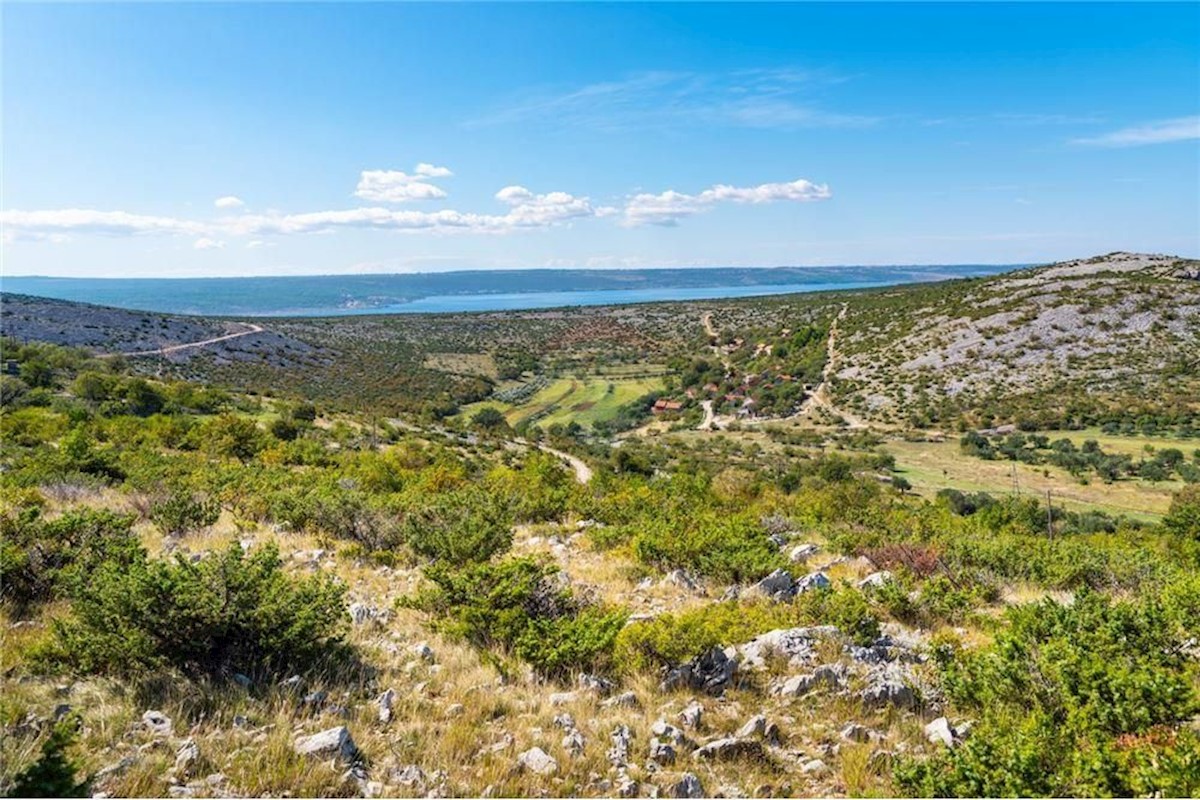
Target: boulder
x=386, y=701
x=814, y=580
x=623, y=700
x=728, y=748
x=814, y=767
x=712, y=672
x=335, y=742
x=688, y=785
x=853, y=732
x=423, y=651
x=537, y=761
x=803, y=552
x=777, y=586
x=692, y=715
x=361, y=614
x=157, y=723
x=755, y=726
x=661, y=752
x=875, y=580
x=680, y=578
x=940, y=732
x=411, y=777
x=621, y=739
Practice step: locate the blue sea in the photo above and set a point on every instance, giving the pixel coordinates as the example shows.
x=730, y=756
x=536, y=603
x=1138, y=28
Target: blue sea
x=468, y=291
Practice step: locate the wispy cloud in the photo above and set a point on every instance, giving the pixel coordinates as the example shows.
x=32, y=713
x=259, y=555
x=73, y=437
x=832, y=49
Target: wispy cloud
x=761, y=98
x=668, y=207
x=228, y=202
x=1180, y=129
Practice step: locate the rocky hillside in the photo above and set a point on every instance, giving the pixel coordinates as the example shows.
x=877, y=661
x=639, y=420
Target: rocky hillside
x=1116, y=328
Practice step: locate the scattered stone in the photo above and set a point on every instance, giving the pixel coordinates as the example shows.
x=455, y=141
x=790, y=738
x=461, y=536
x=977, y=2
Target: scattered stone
x=61, y=710
x=315, y=699
x=411, y=777
x=875, y=580
x=779, y=585
x=573, y=742
x=728, y=748
x=423, y=651
x=661, y=752
x=755, y=726
x=361, y=614
x=242, y=680
x=692, y=715
x=621, y=739
x=455, y=710
x=627, y=786
x=291, y=683
x=803, y=552
x=386, y=701
x=116, y=768
x=814, y=580
x=623, y=700
x=688, y=786
x=814, y=767
x=563, y=698
x=537, y=761
x=680, y=578
x=940, y=732
x=853, y=732
x=712, y=673
x=564, y=721
x=157, y=723
x=332, y=742
x=186, y=757
x=889, y=692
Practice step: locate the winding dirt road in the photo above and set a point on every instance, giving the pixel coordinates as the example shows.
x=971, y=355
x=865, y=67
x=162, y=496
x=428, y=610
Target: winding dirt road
x=175, y=348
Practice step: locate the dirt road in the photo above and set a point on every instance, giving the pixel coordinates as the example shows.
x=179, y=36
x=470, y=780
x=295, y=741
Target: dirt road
x=175, y=348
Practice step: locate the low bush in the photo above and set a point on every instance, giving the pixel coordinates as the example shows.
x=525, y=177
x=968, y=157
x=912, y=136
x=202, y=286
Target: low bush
x=521, y=607
x=229, y=612
x=1069, y=701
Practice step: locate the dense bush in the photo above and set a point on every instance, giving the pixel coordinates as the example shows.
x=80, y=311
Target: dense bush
x=39, y=558
x=182, y=512
x=520, y=606
x=229, y=612
x=53, y=774
x=1069, y=700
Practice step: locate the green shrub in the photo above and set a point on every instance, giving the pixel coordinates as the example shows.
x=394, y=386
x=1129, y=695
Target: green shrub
x=182, y=512
x=229, y=612
x=519, y=606
x=1061, y=699
x=38, y=558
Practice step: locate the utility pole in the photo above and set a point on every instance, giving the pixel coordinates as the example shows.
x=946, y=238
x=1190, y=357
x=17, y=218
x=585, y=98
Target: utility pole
x=1049, y=517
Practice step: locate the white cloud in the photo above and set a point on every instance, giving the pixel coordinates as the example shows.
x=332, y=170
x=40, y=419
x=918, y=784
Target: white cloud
x=430, y=171
x=668, y=207
x=205, y=243
x=45, y=224
x=1181, y=129
x=393, y=186
x=228, y=201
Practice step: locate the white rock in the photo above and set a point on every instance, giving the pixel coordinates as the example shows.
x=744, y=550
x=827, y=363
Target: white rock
x=386, y=701
x=755, y=726
x=814, y=580
x=538, y=761
x=157, y=723
x=186, y=757
x=332, y=742
x=803, y=552
x=692, y=715
x=940, y=732
x=814, y=767
x=875, y=580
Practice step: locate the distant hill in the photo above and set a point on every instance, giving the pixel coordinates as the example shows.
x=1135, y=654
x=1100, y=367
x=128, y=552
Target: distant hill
x=1117, y=328
x=1038, y=344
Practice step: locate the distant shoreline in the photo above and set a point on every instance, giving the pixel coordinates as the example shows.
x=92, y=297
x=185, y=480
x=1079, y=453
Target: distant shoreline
x=470, y=291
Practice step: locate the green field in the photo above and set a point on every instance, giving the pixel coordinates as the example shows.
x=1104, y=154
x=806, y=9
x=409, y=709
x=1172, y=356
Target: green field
x=584, y=400
x=930, y=466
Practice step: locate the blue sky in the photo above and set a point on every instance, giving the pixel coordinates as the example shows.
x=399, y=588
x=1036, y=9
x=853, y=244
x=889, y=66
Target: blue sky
x=237, y=139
